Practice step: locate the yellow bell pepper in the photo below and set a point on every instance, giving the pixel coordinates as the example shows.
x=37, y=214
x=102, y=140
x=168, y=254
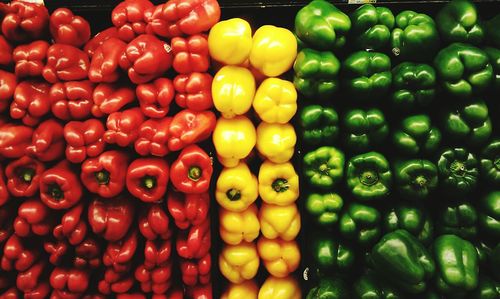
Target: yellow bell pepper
x=239, y=262
x=278, y=183
x=279, y=257
x=230, y=41
x=237, y=188
x=275, y=101
x=233, y=90
x=280, y=288
x=279, y=221
x=273, y=50
x=244, y=290
x=236, y=227
x=234, y=139
x=276, y=142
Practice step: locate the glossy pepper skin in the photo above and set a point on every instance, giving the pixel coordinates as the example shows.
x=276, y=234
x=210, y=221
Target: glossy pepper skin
x=322, y=26
x=324, y=208
x=369, y=176
x=494, y=56
x=414, y=85
x=153, y=137
x=194, y=243
x=458, y=218
x=236, y=188
x=324, y=167
x=458, y=170
x=316, y=73
x=227, y=133
x=4, y=192
x=194, y=91
x=230, y=41
x=329, y=255
x=280, y=288
x=23, y=176
x=73, y=226
x=105, y=174
x=458, y=21
x=196, y=271
x=412, y=218
x=8, y=82
x=47, y=141
x=111, y=218
x=65, y=63
x=415, y=179
x=72, y=100
x=33, y=218
x=279, y=221
x=192, y=171
x=280, y=258
x=364, y=129
x=190, y=17
x=60, y=187
x=5, y=51
x=190, y=54
x=68, y=29
x=69, y=282
x=487, y=289
x=278, y=183
x=489, y=214
x=361, y=223
x=319, y=124
x=416, y=135
x=248, y=289
x=129, y=18
x=238, y=263
x=370, y=285
x=83, y=139
x=104, y=62
x=155, y=97
x=371, y=27
x=469, y=123
x=31, y=102
x=122, y=127
x=25, y=21
x=99, y=39
x=276, y=142
x=14, y=139
x=237, y=227
x=233, y=90
x=147, y=178
x=275, y=101
x=329, y=288
x=111, y=97
x=154, y=224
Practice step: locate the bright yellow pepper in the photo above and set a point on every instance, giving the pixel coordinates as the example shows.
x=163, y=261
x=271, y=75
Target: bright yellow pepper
x=278, y=183
x=276, y=142
x=279, y=221
x=236, y=227
x=230, y=41
x=280, y=257
x=244, y=290
x=234, y=139
x=237, y=188
x=275, y=101
x=273, y=50
x=233, y=89
x=280, y=288
x=239, y=262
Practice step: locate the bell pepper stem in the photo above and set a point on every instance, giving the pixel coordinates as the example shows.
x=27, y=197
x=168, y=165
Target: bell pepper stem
x=368, y=178
x=149, y=182
x=233, y=194
x=421, y=181
x=27, y=175
x=194, y=173
x=280, y=185
x=56, y=192
x=497, y=163
x=457, y=168
x=102, y=177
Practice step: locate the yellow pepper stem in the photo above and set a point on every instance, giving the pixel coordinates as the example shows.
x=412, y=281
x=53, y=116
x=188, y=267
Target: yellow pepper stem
x=233, y=194
x=280, y=185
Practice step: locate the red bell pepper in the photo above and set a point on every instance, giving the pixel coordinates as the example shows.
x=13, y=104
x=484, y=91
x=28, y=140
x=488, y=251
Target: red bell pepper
x=4, y=193
x=189, y=17
x=111, y=218
x=119, y=254
x=87, y=255
x=146, y=58
x=56, y=251
x=23, y=176
x=14, y=139
x=194, y=91
x=190, y=54
x=188, y=209
x=132, y=296
x=30, y=281
x=72, y=100
x=154, y=223
x=147, y=179
x=196, y=271
x=202, y=291
x=117, y=283
x=128, y=17
x=153, y=137
x=30, y=59
x=123, y=126
x=66, y=28
x=5, y=51
x=189, y=127
x=60, y=187
x=155, y=23
x=11, y=293
x=155, y=97
x=65, y=63
x=192, y=171
x=104, y=63
x=156, y=253
x=72, y=227
x=105, y=174
x=47, y=141
x=109, y=98
x=8, y=83
x=25, y=21
x=157, y=280
x=69, y=283
x=194, y=242
x=99, y=39
x=31, y=102
x=173, y=293
x=33, y=217
x=16, y=256
x=84, y=139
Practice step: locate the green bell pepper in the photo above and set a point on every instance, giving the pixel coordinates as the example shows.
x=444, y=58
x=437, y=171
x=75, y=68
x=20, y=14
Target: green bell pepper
x=458, y=218
x=469, y=123
x=371, y=27
x=324, y=167
x=329, y=288
x=369, y=176
x=492, y=34
x=494, y=57
x=321, y=25
x=361, y=223
x=316, y=73
x=489, y=214
x=411, y=218
x=414, y=32
x=330, y=255
x=487, y=289
x=320, y=125
x=464, y=70
x=415, y=179
x=414, y=85
x=417, y=136
x=403, y=260
x=367, y=75
x=490, y=163
x=325, y=208
x=456, y=265
x=458, y=21
x=458, y=170
x=364, y=129
x=370, y=286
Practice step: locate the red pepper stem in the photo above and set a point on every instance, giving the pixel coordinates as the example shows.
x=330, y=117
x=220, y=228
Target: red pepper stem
x=149, y=182
x=194, y=173
x=102, y=177
x=233, y=194
x=56, y=192
x=27, y=174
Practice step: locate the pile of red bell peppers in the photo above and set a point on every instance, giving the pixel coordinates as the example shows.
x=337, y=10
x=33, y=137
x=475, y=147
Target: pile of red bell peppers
x=103, y=188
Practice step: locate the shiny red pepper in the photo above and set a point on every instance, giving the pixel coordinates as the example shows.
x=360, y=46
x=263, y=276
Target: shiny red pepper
x=87, y=255
x=23, y=176
x=99, y=39
x=65, y=63
x=72, y=100
x=8, y=83
x=202, y=291
x=190, y=54
x=56, y=251
x=4, y=193
x=132, y=296
x=111, y=218
x=104, y=63
x=30, y=281
x=47, y=141
x=119, y=254
x=33, y=217
x=173, y=293
x=72, y=227
x=16, y=256
x=196, y=271
x=146, y=58
x=11, y=293
x=14, y=139
x=60, y=187
x=155, y=97
x=154, y=223
x=189, y=17
x=109, y=98
x=5, y=51
x=84, y=139
x=153, y=137
x=30, y=59
x=128, y=17
x=157, y=253
x=155, y=23
x=147, y=178
x=194, y=242
x=189, y=127
x=25, y=21
x=194, y=91
x=31, y=102
x=114, y=282
x=155, y=280
x=188, y=209
x=192, y=171
x=69, y=283
x=66, y=28
x=123, y=126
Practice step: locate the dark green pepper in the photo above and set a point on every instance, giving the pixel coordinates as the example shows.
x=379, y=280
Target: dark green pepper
x=361, y=223
x=415, y=179
x=489, y=214
x=371, y=27
x=324, y=208
x=329, y=288
x=370, y=286
x=324, y=167
x=458, y=170
x=469, y=123
x=490, y=163
x=330, y=255
x=417, y=136
x=494, y=57
x=369, y=176
x=458, y=21
x=320, y=125
x=364, y=129
x=458, y=218
x=487, y=289
x=411, y=218
x=413, y=85
x=492, y=33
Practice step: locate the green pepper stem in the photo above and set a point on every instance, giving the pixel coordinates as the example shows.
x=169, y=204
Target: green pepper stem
x=233, y=194
x=457, y=168
x=280, y=185
x=194, y=173
x=27, y=175
x=102, y=177
x=56, y=192
x=368, y=178
x=149, y=182
x=497, y=163
x=421, y=181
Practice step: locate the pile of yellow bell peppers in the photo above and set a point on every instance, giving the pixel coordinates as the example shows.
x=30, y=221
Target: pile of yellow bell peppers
x=245, y=90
